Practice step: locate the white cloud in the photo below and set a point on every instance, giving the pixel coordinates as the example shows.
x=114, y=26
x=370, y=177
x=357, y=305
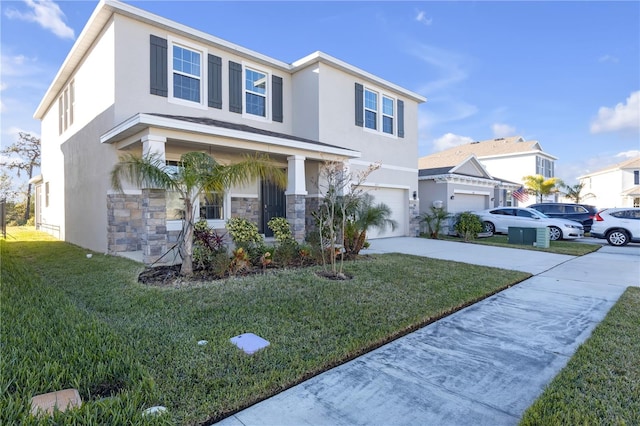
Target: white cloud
x=501, y=130
x=632, y=153
x=608, y=58
x=619, y=118
x=445, y=65
x=422, y=17
x=47, y=14
x=450, y=140
x=14, y=133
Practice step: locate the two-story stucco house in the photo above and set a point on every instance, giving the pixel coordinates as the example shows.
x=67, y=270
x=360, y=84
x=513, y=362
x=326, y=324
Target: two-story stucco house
x=614, y=186
x=140, y=83
x=505, y=161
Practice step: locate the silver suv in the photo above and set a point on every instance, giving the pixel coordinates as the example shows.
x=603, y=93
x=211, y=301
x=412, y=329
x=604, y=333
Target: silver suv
x=618, y=226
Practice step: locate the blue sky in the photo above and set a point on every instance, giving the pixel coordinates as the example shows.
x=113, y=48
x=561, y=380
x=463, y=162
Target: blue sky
x=566, y=74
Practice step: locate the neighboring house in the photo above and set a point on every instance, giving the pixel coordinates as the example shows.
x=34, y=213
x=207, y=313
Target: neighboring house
x=137, y=82
x=462, y=186
x=509, y=158
x=614, y=186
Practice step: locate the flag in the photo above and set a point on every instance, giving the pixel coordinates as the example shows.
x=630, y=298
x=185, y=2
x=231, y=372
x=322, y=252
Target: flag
x=520, y=194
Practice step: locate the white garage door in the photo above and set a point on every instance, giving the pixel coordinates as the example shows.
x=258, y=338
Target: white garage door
x=398, y=201
x=467, y=203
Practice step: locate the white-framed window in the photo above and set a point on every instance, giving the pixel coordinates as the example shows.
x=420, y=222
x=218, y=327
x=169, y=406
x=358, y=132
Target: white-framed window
x=211, y=206
x=187, y=68
x=544, y=167
x=256, y=92
x=379, y=112
x=66, y=103
x=370, y=109
x=46, y=194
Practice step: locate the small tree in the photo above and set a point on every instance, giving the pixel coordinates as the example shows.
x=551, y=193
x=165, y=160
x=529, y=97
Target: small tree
x=27, y=148
x=574, y=192
x=197, y=173
x=434, y=220
x=540, y=186
x=342, y=190
x=362, y=215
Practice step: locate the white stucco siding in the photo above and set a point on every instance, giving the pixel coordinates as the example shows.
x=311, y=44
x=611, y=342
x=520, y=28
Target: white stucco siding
x=306, y=103
x=606, y=187
x=133, y=76
x=512, y=168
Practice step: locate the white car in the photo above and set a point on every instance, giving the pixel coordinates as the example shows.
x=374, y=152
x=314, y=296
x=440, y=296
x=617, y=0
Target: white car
x=618, y=226
x=499, y=219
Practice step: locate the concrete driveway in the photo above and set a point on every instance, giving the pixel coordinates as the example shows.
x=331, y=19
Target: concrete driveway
x=483, y=365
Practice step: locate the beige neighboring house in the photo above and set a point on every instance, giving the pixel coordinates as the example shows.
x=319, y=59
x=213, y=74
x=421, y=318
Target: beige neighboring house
x=509, y=158
x=135, y=82
x=614, y=186
x=461, y=186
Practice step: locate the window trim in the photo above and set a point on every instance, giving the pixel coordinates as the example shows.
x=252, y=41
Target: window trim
x=380, y=115
x=267, y=97
x=204, y=72
x=66, y=105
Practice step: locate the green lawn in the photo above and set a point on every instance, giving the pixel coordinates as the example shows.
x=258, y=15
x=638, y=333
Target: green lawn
x=572, y=248
x=69, y=321
x=601, y=383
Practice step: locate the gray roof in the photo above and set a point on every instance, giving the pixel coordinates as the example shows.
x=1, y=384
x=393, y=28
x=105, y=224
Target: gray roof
x=244, y=128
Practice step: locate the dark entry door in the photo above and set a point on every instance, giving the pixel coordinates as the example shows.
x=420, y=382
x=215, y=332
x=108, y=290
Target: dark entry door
x=274, y=204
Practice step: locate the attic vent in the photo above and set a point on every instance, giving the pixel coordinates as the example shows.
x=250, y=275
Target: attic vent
x=472, y=143
x=499, y=139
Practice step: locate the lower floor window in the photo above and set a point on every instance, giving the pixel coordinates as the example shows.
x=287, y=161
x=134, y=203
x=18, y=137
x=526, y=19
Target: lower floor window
x=636, y=202
x=175, y=206
x=212, y=205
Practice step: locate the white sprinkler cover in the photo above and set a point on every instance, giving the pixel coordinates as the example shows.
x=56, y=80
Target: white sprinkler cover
x=249, y=343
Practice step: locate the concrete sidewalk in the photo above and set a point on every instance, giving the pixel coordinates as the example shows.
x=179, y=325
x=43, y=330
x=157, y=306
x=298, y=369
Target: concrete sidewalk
x=483, y=365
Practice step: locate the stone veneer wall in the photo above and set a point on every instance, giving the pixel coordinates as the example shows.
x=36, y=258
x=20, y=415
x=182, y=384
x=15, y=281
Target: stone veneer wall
x=414, y=218
x=247, y=208
x=296, y=208
x=124, y=222
x=312, y=205
x=154, y=225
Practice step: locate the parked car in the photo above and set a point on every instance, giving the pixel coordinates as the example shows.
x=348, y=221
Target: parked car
x=582, y=213
x=618, y=226
x=498, y=220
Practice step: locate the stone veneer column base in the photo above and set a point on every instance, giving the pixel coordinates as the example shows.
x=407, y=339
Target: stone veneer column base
x=312, y=205
x=414, y=218
x=296, y=208
x=154, y=225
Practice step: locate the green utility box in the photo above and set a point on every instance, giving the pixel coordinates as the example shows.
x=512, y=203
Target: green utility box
x=542, y=237
x=523, y=236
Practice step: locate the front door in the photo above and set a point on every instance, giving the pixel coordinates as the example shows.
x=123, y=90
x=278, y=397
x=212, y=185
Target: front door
x=274, y=204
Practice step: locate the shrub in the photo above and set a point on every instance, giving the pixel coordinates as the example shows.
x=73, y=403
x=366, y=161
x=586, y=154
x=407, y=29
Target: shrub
x=207, y=245
x=244, y=233
x=434, y=220
x=281, y=229
x=468, y=225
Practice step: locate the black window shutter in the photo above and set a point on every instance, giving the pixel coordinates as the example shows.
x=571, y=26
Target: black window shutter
x=276, y=99
x=235, y=87
x=400, y=118
x=359, y=105
x=215, y=81
x=158, y=66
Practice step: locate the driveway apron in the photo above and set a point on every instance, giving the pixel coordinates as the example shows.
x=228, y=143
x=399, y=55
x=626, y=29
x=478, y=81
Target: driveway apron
x=483, y=365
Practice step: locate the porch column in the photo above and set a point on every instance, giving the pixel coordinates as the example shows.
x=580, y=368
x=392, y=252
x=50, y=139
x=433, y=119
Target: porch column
x=154, y=144
x=296, y=196
x=153, y=234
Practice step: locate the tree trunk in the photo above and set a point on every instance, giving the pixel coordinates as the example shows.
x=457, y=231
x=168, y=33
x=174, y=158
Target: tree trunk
x=186, y=251
x=27, y=212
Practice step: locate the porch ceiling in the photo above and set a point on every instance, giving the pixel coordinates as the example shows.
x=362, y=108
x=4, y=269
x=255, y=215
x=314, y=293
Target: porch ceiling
x=232, y=137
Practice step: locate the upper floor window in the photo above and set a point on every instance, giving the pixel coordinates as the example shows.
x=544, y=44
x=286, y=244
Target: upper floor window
x=66, y=103
x=544, y=167
x=187, y=74
x=636, y=177
x=387, y=115
x=255, y=89
x=370, y=109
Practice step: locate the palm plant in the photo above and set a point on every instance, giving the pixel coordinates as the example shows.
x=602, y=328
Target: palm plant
x=196, y=174
x=361, y=215
x=434, y=220
x=574, y=192
x=541, y=186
